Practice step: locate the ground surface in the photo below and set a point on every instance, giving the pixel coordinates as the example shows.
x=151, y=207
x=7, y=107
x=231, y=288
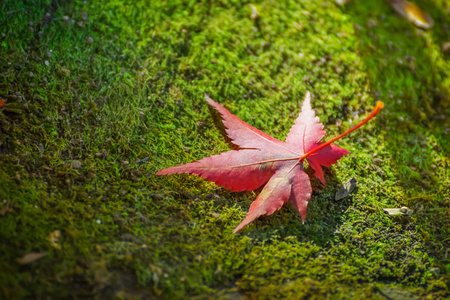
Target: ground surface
x=102, y=95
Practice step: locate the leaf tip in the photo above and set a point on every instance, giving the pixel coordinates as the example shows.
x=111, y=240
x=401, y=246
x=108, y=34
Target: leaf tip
x=214, y=104
x=208, y=99
x=306, y=105
x=307, y=100
x=308, y=96
x=167, y=171
x=239, y=227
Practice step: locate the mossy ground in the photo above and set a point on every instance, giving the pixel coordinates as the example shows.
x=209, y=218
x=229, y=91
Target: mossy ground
x=102, y=94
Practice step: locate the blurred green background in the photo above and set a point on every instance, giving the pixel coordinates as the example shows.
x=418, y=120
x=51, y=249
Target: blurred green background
x=100, y=95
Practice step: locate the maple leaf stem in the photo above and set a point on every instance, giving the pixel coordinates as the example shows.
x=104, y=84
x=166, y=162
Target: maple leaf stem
x=377, y=109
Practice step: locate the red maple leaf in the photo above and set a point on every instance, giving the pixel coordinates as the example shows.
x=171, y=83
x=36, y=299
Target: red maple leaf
x=263, y=159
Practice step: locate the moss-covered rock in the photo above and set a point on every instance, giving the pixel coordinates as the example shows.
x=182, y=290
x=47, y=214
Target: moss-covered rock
x=101, y=95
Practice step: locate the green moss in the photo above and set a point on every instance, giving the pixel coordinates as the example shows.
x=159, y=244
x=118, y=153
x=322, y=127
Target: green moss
x=100, y=96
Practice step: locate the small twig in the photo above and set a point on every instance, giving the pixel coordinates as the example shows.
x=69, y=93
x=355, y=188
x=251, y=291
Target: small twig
x=14, y=11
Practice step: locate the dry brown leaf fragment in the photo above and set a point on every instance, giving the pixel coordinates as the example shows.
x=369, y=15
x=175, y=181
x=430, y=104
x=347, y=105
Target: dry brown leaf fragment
x=53, y=237
x=255, y=12
x=445, y=48
x=346, y=189
x=5, y=207
x=342, y=2
x=30, y=257
x=413, y=13
x=399, y=211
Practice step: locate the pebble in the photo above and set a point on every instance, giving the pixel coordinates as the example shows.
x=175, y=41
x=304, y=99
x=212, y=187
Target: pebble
x=76, y=164
x=445, y=48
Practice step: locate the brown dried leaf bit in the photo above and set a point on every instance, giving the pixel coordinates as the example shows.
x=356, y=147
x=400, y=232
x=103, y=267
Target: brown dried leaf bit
x=413, y=13
x=347, y=188
x=342, y=2
x=398, y=211
x=53, y=237
x=255, y=12
x=30, y=257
